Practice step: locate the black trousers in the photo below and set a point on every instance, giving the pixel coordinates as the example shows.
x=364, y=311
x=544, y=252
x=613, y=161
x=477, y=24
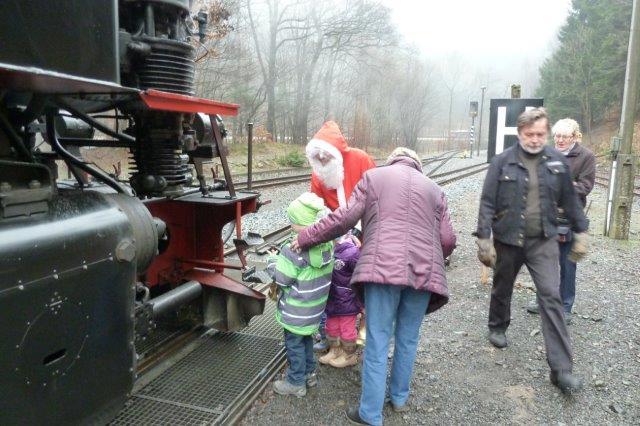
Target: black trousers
x=540, y=255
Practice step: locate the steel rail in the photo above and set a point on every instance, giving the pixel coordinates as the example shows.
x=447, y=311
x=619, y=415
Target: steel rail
x=462, y=176
x=378, y=161
x=439, y=166
x=462, y=169
x=305, y=177
x=604, y=181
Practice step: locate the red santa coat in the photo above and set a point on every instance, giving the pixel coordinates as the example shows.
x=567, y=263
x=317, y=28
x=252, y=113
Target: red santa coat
x=354, y=163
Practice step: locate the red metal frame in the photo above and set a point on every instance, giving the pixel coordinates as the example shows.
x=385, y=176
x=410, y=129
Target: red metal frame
x=195, y=231
x=221, y=281
x=155, y=99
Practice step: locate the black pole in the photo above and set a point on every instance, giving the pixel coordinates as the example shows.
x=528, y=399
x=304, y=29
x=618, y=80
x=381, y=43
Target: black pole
x=249, y=155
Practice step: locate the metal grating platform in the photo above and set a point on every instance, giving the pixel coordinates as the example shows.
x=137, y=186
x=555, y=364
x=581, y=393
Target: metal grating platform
x=140, y=411
x=206, y=385
x=215, y=372
x=156, y=338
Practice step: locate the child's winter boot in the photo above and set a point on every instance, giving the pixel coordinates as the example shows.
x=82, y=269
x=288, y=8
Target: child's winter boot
x=334, y=351
x=347, y=358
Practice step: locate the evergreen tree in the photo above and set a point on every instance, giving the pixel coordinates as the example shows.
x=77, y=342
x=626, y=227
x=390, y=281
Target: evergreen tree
x=584, y=77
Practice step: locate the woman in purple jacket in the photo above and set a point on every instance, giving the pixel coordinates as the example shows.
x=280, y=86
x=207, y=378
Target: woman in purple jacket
x=407, y=234
x=342, y=308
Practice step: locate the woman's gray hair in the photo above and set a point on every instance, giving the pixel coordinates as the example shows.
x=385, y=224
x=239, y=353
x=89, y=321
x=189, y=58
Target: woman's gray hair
x=402, y=151
x=567, y=126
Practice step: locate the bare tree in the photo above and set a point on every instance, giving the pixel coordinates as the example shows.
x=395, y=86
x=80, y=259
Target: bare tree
x=414, y=99
x=333, y=32
x=450, y=71
x=279, y=23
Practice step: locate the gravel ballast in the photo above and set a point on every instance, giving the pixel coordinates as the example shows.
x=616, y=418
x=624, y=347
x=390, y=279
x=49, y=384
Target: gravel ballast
x=459, y=378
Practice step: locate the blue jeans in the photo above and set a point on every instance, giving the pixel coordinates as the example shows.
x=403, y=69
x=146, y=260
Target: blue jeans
x=567, y=276
x=398, y=311
x=300, y=357
x=321, y=330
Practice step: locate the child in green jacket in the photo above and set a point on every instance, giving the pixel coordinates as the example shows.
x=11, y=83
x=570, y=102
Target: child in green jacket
x=304, y=280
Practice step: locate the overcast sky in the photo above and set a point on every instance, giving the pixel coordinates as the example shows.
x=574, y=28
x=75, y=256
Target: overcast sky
x=499, y=42
x=505, y=40
x=475, y=28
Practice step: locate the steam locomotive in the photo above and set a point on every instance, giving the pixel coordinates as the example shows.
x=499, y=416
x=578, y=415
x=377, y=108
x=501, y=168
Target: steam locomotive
x=90, y=262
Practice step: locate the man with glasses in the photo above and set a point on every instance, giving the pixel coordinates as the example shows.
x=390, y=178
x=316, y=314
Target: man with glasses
x=525, y=187
x=582, y=164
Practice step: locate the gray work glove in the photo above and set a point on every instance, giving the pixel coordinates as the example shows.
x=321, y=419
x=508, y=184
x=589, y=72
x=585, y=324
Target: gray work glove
x=486, y=252
x=580, y=247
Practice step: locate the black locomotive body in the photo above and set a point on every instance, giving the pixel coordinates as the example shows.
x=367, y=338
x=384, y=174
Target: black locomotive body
x=88, y=264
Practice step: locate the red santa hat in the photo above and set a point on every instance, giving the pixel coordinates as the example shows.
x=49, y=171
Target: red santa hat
x=331, y=134
x=329, y=140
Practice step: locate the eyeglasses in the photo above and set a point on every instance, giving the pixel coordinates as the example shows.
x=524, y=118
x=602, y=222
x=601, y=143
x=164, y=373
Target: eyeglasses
x=565, y=137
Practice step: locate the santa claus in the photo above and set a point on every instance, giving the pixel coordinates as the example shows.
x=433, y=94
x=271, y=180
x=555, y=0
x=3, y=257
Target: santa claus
x=337, y=168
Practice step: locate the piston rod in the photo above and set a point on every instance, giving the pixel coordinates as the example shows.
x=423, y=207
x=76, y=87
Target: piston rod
x=172, y=300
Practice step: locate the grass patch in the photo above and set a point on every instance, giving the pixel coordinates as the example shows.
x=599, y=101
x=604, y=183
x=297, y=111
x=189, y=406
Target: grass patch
x=292, y=159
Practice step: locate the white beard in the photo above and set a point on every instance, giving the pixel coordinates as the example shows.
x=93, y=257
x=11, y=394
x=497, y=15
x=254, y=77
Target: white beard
x=531, y=151
x=331, y=174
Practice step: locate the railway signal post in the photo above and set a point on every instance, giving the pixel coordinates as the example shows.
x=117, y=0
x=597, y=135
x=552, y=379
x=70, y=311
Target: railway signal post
x=473, y=112
x=483, y=88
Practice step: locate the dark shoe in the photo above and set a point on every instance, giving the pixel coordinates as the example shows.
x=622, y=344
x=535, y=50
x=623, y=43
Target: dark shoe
x=566, y=382
x=533, y=307
x=400, y=408
x=283, y=387
x=321, y=346
x=567, y=318
x=498, y=338
x=396, y=408
x=353, y=415
x=312, y=379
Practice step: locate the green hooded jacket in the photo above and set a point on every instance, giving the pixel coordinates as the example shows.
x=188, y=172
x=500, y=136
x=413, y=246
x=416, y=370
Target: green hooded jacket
x=304, y=279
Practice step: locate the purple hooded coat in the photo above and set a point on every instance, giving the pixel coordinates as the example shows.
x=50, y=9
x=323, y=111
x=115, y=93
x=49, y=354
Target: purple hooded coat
x=342, y=298
x=406, y=227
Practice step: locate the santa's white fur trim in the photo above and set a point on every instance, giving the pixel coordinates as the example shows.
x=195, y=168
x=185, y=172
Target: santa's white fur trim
x=342, y=199
x=318, y=144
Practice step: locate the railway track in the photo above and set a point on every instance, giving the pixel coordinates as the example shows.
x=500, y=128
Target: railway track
x=305, y=177
x=301, y=171
x=603, y=180
x=443, y=160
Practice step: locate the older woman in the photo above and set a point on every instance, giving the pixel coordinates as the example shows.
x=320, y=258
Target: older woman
x=407, y=233
x=582, y=164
